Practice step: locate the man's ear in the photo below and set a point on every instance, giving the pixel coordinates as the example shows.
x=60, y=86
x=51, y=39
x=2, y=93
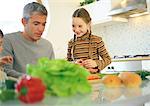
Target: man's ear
x=24, y=21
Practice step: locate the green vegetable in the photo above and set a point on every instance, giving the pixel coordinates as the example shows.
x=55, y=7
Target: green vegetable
x=143, y=74
x=7, y=94
x=10, y=84
x=61, y=77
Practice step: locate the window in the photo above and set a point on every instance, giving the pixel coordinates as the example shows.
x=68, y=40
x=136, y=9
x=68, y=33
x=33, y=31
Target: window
x=11, y=13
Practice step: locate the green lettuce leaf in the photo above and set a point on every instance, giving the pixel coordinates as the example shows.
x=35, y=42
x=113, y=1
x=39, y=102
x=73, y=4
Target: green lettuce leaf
x=61, y=77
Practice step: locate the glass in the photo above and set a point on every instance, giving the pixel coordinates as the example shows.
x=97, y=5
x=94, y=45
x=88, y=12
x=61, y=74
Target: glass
x=2, y=79
x=101, y=96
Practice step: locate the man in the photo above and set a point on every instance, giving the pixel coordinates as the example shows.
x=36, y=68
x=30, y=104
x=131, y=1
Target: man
x=27, y=47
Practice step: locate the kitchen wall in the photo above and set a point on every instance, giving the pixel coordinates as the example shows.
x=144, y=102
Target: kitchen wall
x=129, y=38
x=60, y=28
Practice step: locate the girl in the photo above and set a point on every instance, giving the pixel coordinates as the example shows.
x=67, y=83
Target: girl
x=85, y=48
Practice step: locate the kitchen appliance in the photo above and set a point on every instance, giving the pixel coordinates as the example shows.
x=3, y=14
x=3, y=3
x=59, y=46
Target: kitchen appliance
x=129, y=8
x=121, y=66
x=125, y=63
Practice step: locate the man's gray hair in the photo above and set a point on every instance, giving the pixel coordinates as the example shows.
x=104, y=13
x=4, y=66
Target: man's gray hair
x=34, y=7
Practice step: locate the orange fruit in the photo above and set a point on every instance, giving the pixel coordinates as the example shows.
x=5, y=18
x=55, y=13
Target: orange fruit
x=111, y=81
x=130, y=79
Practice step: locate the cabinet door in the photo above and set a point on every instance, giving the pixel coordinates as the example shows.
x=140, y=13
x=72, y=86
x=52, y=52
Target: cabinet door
x=99, y=10
x=146, y=65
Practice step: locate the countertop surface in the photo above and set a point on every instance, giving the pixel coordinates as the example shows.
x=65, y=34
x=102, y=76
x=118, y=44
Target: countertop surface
x=101, y=96
x=131, y=59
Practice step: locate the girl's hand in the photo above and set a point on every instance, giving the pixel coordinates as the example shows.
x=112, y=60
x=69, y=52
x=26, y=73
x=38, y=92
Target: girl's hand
x=89, y=63
x=79, y=61
x=6, y=60
x=91, y=70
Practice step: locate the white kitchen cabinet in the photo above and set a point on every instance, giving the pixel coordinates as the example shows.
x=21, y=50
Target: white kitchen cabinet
x=146, y=65
x=99, y=13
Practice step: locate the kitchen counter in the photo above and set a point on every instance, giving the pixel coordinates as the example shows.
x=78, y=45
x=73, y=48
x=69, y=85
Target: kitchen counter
x=130, y=59
x=100, y=96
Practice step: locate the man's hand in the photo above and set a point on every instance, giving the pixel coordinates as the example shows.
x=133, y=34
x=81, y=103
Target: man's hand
x=6, y=60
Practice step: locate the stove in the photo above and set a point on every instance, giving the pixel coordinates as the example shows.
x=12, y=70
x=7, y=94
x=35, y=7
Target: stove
x=118, y=66
x=131, y=56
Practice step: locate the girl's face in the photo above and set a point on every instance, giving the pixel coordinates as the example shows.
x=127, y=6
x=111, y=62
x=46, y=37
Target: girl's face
x=1, y=41
x=79, y=27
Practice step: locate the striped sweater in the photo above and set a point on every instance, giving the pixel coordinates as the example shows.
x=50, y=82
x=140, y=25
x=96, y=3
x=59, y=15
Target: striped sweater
x=88, y=47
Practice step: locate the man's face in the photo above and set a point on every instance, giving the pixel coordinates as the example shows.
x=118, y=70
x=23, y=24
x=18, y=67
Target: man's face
x=34, y=27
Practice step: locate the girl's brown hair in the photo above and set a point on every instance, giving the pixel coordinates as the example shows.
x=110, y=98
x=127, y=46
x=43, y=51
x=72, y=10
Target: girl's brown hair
x=82, y=13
